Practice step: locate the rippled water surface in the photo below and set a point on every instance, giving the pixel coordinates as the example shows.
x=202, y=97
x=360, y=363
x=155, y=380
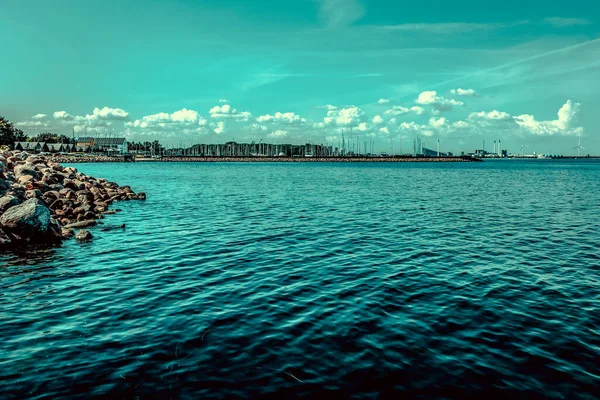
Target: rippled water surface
x=298, y=280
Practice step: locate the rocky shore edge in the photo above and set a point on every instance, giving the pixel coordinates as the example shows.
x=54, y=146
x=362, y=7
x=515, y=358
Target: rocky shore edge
x=43, y=203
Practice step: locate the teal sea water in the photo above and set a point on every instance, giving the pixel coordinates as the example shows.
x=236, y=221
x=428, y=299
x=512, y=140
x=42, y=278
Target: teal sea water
x=304, y=280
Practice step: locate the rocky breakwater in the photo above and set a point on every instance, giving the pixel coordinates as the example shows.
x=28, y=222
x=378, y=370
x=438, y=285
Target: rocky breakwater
x=85, y=158
x=42, y=202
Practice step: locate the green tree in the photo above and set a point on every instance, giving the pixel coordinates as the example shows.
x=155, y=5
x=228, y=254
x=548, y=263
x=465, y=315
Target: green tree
x=50, y=138
x=9, y=134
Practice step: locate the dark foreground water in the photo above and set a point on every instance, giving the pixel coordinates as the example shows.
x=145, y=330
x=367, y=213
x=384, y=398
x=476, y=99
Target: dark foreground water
x=299, y=280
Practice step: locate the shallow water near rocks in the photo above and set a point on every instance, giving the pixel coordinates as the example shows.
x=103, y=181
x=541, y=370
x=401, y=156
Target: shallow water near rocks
x=347, y=280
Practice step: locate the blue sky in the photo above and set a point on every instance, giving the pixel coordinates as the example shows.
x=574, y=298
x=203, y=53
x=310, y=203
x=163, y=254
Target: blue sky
x=525, y=72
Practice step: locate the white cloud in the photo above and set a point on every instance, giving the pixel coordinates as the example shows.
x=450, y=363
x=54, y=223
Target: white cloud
x=62, y=115
x=31, y=124
x=566, y=114
x=186, y=123
x=437, y=123
x=223, y=101
x=257, y=128
x=336, y=13
x=461, y=125
x=412, y=127
x=561, y=126
x=284, y=118
x=464, y=92
x=328, y=107
x=278, y=134
x=439, y=102
x=492, y=115
x=185, y=115
x=363, y=127
x=226, y=111
x=220, y=128
x=164, y=121
x=417, y=110
x=377, y=120
x=383, y=101
x=107, y=113
x=525, y=123
x=397, y=110
x=350, y=116
x=39, y=116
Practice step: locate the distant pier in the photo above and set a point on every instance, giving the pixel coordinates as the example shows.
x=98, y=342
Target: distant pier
x=305, y=159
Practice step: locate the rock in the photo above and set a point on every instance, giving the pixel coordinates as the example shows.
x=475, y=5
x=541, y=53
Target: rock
x=83, y=236
x=26, y=169
x=112, y=227
x=38, y=196
x=56, y=204
x=4, y=239
x=81, y=224
x=79, y=210
x=52, y=194
x=7, y=202
x=29, y=218
x=67, y=233
x=33, y=194
x=25, y=179
x=34, y=160
x=55, y=166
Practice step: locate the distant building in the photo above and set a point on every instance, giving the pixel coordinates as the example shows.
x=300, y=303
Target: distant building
x=82, y=149
x=432, y=153
x=110, y=145
x=102, y=145
x=58, y=148
x=32, y=147
x=85, y=141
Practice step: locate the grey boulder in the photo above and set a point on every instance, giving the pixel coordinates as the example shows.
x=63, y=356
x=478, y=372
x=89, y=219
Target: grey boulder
x=7, y=202
x=83, y=236
x=28, y=218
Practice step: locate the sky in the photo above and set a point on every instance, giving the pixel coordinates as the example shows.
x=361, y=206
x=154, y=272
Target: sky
x=524, y=72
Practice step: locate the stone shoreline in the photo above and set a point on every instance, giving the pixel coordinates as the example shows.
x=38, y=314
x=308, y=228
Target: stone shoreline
x=42, y=202
x=84, y=159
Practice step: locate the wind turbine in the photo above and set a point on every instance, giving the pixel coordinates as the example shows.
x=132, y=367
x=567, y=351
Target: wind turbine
x=523, y=150
x=579, y=147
